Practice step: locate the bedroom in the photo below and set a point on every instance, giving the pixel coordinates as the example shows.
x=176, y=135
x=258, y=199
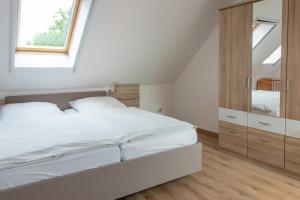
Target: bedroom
x=140, y=99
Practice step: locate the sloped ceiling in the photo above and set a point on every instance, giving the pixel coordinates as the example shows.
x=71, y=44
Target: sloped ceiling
x=143, y=41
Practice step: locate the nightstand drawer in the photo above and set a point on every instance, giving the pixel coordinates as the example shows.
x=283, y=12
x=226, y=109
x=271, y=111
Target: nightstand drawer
x=267, y=123
x=266, y=147
x=233, y=137
x=233, y=116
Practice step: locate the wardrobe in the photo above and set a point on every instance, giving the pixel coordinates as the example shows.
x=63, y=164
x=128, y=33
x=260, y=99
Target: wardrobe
x=259, y=81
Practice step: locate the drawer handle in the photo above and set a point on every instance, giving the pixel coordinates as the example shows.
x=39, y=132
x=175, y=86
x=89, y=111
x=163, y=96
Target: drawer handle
x=264, y=123
x=231, y=116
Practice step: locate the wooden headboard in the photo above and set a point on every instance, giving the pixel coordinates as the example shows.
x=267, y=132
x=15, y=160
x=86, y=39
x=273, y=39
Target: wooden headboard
x=61, y=99
x=268, y=84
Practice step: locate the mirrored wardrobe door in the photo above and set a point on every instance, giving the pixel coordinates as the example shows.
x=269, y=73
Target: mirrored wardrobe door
x=268, y=68
x=266, y=119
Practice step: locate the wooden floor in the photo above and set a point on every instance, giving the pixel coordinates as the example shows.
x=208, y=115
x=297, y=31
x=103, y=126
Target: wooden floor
x=225, y=177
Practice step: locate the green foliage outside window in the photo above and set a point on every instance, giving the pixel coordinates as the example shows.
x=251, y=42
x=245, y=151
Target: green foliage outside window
x=55, y=36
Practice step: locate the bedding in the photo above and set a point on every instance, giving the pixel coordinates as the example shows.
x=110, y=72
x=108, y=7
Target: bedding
x=98, y=104
x=154, y=144
x=70, y=111
x=60, y=166
x=34, y=140
x=266, y=102
x=31, y=110
x=130, y=123
x=28, y=141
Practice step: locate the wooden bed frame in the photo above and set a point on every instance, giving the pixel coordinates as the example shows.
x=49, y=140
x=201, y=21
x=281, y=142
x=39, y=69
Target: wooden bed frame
x=107, y=182
x=268, y=84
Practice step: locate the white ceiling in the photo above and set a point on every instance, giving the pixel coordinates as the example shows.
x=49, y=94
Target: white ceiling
x=143, y=41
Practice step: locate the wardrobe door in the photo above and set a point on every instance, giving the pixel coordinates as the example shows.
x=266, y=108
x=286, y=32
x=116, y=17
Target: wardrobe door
x=235, y=57
x=293, y=89
x=293, y=62
x=235, y=70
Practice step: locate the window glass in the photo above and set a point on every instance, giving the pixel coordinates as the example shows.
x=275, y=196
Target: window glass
x=274, y=57
x=45, y=24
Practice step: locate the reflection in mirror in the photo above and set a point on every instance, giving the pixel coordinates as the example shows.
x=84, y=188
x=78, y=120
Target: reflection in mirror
x=266, y=57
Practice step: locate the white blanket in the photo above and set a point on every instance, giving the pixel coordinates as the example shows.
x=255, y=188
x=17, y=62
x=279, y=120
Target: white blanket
x=27, y=141
x=132, y=123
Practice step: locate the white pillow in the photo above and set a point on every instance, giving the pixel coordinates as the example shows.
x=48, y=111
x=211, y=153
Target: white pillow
x=91, y=104
x=21, y=111
x=70, y=111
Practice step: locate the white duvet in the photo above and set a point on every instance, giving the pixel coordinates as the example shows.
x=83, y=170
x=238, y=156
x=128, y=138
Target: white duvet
x=266, y=102
x=127, y=124
x=26, y=141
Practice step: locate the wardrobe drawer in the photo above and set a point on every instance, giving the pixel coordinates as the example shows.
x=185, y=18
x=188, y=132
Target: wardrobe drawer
x=293, y=128
x=267, y=123
x=266, y=147
x=233, y=137
x=233, y=116
x=292, y=154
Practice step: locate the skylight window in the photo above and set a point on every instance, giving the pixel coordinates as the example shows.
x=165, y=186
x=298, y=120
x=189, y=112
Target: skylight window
x=46, y=26
x=274, y=57
x=261, y=28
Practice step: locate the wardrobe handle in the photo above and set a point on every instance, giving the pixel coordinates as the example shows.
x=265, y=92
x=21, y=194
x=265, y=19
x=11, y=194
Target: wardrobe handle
x=264, y=123
x=246, y=82
x=249, y=83
x=231, y=116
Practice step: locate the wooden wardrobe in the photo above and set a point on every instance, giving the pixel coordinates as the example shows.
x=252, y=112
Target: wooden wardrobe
x=272, y=140
x=292, y=145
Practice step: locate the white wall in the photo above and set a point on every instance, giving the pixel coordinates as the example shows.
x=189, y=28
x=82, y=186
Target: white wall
x=157, y=98
x=141, y=41
x=195, y=93
x=153, y=97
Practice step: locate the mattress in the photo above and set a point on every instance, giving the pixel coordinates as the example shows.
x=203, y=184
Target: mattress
x=157, y=143
x=68, y=164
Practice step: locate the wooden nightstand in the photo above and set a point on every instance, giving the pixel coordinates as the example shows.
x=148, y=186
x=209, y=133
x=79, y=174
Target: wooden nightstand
x=2, y=102
x=128, y=94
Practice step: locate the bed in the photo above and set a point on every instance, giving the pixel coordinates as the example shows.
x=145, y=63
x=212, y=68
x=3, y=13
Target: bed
x=266, y=102
x=52, y=168
x=156, y=144
x=103, y=175
x=266, y=98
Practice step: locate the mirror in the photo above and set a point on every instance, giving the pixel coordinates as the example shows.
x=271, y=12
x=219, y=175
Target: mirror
x=266, y=57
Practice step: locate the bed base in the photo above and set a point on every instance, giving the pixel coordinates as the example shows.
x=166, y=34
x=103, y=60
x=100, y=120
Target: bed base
x=116, y=180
